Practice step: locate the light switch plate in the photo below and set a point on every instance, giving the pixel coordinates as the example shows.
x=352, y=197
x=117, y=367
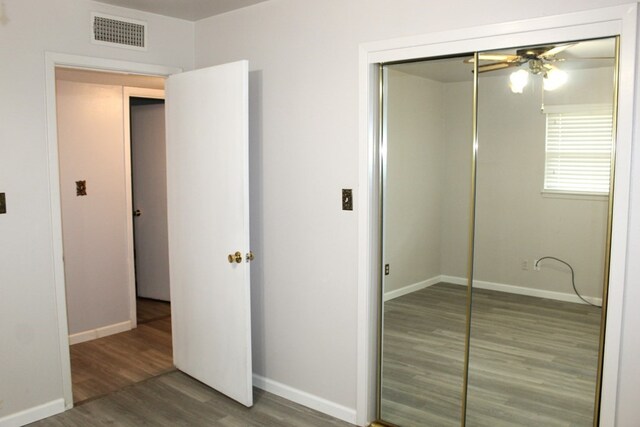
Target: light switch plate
x=347, y=199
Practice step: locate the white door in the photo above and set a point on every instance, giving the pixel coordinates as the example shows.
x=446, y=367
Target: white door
x=149, y=178
x=208, y=217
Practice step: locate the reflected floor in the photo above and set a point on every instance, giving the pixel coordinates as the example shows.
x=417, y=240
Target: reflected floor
x=533, y=360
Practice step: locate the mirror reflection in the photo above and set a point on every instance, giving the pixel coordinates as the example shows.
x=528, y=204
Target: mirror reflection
x=539, y=247
x=428, y=130
x=542, y=204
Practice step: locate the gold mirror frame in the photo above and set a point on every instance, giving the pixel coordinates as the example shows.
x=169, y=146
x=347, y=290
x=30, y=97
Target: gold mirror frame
x=381, y=179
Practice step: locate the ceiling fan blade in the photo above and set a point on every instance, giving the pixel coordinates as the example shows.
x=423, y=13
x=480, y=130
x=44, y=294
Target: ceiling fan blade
x=582, y=58
x=496, y=66
x=493, y=57
x=556, y=50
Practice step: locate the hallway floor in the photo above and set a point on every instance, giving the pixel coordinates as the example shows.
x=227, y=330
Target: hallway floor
x=108, y=364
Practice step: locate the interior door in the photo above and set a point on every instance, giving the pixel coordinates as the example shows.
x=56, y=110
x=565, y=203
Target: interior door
x=208, y=218
x=148, y=158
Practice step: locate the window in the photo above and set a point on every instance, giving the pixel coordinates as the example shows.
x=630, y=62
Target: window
x=579, y=143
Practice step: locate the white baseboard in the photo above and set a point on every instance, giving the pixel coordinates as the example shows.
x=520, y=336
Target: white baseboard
x=33, y=414
x=104, y=331
x=520, y=290
x=411, y=288
x=305, y=399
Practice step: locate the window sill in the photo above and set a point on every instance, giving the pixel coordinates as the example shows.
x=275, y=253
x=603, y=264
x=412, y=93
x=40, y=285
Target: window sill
x=574, y=196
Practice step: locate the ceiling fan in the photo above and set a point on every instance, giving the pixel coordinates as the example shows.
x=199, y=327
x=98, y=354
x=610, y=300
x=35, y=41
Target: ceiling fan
x=539, y=59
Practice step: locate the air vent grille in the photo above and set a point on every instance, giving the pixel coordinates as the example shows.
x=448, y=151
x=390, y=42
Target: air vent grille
x=120, y=32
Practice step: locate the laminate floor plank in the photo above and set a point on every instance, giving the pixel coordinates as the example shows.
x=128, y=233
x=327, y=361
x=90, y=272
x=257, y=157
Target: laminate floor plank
x=532, y=361
x=175, y=399
x=104, y=365
x=150, y=309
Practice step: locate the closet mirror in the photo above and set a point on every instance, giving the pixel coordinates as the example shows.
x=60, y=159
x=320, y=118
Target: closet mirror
x=545, y=139
x=427, y=207
x=496, y=231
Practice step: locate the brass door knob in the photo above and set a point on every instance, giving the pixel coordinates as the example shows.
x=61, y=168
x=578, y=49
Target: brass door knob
x=237, y=257
x=249, y=256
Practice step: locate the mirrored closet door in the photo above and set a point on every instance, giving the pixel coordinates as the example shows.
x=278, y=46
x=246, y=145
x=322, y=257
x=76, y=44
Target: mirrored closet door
x=497, y=176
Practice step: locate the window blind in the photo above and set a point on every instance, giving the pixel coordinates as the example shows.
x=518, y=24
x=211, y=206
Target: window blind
x=578, y=151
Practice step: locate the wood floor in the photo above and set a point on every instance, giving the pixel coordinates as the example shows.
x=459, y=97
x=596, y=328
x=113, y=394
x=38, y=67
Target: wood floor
x=532, y=360
x=108, y=364
x=174, y=399
x=128, y=379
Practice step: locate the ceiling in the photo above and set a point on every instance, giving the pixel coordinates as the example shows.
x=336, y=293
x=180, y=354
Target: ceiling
x=578, y=56
x=191, y=10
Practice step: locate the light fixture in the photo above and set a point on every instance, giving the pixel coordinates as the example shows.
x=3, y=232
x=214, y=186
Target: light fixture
x=554, y=78
x=518, y=80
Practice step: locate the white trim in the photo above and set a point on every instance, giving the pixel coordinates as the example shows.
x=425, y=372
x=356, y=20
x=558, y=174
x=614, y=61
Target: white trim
x=520, y=290
x=618, y=20
x=305, y=399
x=31, y=415
x=127, y=93
x=412, y=288
x=101, y=332
x=53, y=60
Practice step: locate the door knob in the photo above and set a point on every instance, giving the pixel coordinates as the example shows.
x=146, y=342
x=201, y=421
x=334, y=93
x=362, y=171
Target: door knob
x=237, y=257
x=249, y=256
x=137, y=212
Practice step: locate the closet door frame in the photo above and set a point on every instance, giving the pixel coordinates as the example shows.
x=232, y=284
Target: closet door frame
x=598, y=23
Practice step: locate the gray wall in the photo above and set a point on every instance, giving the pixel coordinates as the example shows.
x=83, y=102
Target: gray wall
x=304, y=61
x=30, y=366
x=416, y=142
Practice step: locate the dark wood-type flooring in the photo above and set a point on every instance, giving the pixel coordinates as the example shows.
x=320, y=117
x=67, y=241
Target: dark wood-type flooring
x=532, y=360
x=175, y=399
x=108, y=364
x=128, y=380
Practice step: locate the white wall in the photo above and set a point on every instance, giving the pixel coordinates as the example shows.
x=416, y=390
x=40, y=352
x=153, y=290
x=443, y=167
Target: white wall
x=304, y=61
x=415, y=168
x=515, y=223
x=91, y=148
x=458, y=110
x=30, y=366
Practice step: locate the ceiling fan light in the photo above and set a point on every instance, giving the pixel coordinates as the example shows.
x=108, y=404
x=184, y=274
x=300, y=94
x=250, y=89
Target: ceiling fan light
x=554, y=79
x=518, y=80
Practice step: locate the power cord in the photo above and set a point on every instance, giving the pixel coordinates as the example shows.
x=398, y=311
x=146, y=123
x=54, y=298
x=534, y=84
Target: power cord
x=573, y=282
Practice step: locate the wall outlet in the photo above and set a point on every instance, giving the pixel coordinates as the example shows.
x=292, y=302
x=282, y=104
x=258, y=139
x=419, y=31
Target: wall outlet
x=386, y=269
x=536, y=265
x=524, y=265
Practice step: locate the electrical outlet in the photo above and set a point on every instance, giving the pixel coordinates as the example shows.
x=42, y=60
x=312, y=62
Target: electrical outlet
x=536, y=265
x=386, y=269
x=524, y=265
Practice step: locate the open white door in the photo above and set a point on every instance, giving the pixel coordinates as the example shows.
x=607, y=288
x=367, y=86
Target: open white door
x=208, y=218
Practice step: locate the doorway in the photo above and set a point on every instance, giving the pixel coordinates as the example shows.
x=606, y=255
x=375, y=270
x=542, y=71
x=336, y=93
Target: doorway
x=105, y=120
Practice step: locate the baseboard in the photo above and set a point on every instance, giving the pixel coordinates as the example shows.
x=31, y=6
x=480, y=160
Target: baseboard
x=520, y=290
x=33, y=414
x=305, y=399
x=104, y=331
x=411, y=288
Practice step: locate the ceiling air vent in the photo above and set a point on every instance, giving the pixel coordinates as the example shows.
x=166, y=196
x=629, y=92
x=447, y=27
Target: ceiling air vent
x=119, y=32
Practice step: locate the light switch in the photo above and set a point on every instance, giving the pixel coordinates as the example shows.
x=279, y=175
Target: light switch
x=347, y=199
